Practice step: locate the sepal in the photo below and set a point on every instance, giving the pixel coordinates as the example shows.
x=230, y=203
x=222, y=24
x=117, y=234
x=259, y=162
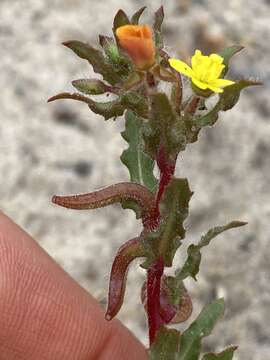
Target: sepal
x=136, y=16
x=159, y=17
x=120, y=19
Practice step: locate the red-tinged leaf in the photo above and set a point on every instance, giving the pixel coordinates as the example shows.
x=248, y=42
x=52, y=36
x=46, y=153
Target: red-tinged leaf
x=125, y=255
x=109, y=109
x=167, y=311
x=116, y=193
x=178, y=296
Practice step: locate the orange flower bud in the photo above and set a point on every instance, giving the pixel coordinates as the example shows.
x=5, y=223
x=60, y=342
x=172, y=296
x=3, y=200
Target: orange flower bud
x=137, y=41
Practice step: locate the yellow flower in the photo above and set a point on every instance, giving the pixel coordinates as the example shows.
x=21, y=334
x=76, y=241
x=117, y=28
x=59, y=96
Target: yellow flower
x=137, y=41
x=205, y=72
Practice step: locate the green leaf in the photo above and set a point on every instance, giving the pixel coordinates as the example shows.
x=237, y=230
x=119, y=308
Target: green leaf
x=159, y=17
x=120, y=19
x=90, y=86
x=166, y=345
x=224, y=355
x=190, y=344
x=136, y=17
x=139, y=164
x=110, y=109
x=227, y=53
x=227, y=100
x=164, y=127
x=95, y=58
x=231, y=93
x=174, y=210
x=135, y=102
x=192, y=264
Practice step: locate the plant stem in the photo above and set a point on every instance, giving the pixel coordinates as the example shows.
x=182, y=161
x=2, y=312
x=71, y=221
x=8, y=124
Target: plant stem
x=192, y=105
x=154, y=275
x=167, y=168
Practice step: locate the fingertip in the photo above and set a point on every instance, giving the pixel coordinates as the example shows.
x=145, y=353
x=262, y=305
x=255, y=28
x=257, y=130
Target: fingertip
x=47, y=315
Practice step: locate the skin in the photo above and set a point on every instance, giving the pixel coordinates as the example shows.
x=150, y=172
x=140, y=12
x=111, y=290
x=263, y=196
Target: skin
x=45, y=314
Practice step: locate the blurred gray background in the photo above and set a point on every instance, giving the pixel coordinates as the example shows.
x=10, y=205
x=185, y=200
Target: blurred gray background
x=62, y=148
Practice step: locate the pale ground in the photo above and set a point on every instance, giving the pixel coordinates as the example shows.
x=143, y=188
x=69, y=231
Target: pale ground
x=63, y=148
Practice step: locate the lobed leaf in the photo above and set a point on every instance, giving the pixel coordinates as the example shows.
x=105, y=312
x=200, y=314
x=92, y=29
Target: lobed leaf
x=166, y=345
x=224, y=355
x=139, y=164
x=191, y=339
x=192, y=263
x=95, y=58
x=174, y=209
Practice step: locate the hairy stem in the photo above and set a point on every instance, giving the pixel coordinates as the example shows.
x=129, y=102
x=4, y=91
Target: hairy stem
x=167, y=168
x=192, y=105
x=155, y=320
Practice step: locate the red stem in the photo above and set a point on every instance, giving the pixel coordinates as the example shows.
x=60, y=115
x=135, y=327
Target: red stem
x=154, y=275
x=155, y=272
x=167, y=168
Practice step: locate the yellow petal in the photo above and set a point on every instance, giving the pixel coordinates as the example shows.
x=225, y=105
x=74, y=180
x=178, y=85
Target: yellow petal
x=216, y=58
x=222, y=82
x=196, y=59
x=181, y=67
x=215, y=89
x=199, y=84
